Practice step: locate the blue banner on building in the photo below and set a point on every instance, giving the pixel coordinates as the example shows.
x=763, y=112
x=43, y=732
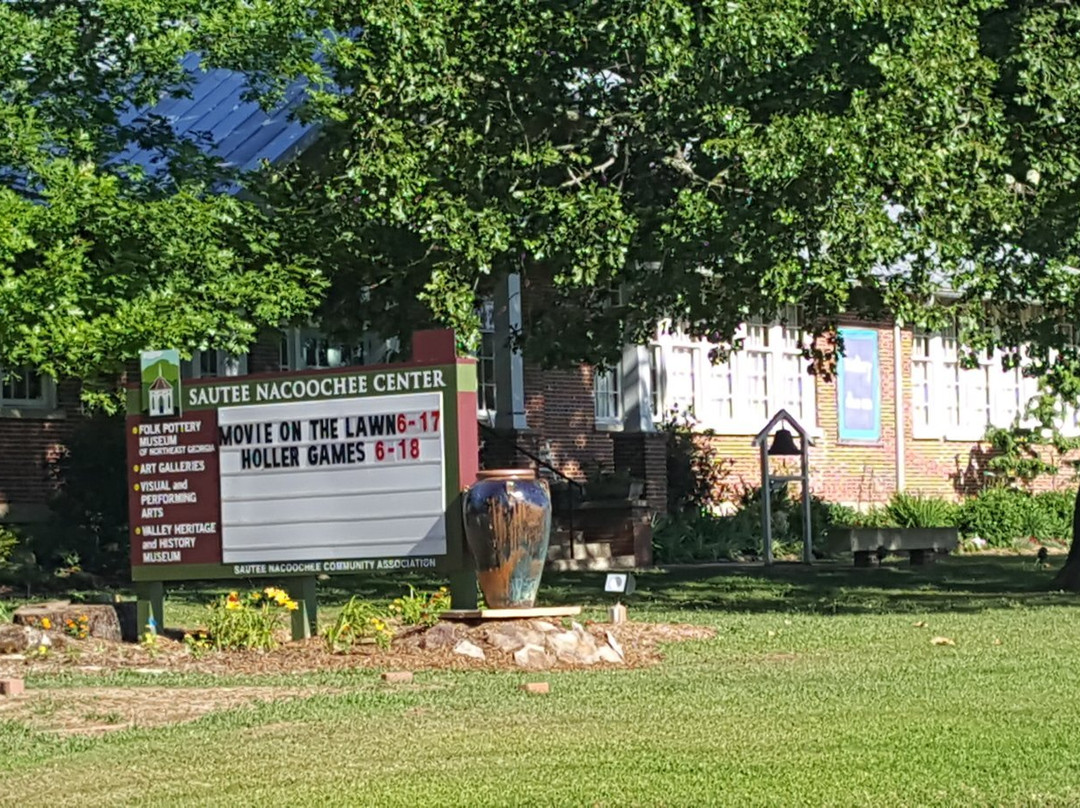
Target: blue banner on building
x=859, y=386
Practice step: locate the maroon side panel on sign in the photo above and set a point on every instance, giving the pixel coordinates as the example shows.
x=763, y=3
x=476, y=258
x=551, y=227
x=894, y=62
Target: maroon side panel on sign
x=468, y=438
x=174, y=493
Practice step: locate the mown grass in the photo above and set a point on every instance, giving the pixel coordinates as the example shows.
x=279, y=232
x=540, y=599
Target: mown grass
x=818, y=689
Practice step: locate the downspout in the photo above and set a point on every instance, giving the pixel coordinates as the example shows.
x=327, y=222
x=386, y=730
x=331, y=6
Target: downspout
x=898, y=406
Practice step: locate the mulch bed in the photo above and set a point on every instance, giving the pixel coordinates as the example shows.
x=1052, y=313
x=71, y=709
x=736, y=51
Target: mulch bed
x=640, y=642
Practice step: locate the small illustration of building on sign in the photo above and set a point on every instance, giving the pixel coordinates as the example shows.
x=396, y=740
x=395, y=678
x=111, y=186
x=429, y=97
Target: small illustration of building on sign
x=160, y=383
x=161, y=397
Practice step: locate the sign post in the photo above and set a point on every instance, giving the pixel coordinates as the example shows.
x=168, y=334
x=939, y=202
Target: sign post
x=303, y=474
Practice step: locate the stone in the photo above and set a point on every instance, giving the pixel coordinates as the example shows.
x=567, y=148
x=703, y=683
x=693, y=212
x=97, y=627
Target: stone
x=608, y=654
x=571, y=647
x=531, y=656
x=536, y=687
x=102, y=620
x=545, y=626
x=466, y=648
x=510, y=638
x=441, y=635
x=12, y=687
x=586, y=643
x=398, y=677
x=14, y=639
x=615, y=645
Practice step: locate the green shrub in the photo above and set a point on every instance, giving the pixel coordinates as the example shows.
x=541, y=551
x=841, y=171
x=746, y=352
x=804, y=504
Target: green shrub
x=1058, y=507
x=697, y=479
x=1002, y=516
x=420, y=608
x=915, y=510
x=360, y=621
x=237, y=622
x=8, y=540
x=997, y=515
x=703, y=536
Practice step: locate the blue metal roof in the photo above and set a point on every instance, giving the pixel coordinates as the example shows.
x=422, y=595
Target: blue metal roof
x=216, y=116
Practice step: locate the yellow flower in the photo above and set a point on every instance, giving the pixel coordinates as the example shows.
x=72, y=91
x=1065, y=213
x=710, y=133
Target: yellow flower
x=232, y=605
x=46, y=623
x=292, y=605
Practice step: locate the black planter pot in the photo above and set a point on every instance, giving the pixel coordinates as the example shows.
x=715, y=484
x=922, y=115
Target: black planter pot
x=508, y=527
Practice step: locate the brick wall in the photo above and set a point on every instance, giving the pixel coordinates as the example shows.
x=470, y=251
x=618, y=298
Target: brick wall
x=28, y=445
x=562, y=424
x=560, y=413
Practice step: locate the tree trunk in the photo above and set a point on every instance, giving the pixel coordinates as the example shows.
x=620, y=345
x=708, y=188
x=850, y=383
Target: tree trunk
x=1069, y=576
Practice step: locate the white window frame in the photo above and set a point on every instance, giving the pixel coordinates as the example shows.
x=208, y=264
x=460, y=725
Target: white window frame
x=34, y=407
x=366, y=351
x=231, y=364
x=771, y=342
x=964, y=391
x=487, y=391
x=607, y=397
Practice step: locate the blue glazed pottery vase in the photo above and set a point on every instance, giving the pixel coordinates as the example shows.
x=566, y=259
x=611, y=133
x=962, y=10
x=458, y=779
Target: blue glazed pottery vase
x=507, y=528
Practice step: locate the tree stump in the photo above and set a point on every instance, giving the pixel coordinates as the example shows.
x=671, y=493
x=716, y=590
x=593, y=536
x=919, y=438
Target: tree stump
x=102, y=622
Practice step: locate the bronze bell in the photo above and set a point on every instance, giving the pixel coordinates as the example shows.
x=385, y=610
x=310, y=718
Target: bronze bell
x=783, y=444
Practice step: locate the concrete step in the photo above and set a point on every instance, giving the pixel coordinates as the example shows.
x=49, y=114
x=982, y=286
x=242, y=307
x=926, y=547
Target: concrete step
x=622, y=562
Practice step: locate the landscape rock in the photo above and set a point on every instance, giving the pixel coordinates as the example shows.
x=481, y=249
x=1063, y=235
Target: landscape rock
x=572, y=647
x=586, y=645
x=545, y=626
x=439, y=636
x=466, y=648
x=532, y=656
x=608, y=654
x=510, y=638
x=615, y=645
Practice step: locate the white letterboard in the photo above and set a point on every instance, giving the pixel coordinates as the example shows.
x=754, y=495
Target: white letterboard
x=337, y=479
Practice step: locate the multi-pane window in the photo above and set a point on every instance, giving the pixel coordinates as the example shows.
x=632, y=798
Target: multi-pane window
x=955, y=398
x=607, y=395
x=211, y=364
x=485, y=362
x=737, y=396
x=24, y=387
x=310, y=349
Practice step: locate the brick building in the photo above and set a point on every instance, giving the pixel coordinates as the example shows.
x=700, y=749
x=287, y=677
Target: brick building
x=923, y=413
x=909, y=418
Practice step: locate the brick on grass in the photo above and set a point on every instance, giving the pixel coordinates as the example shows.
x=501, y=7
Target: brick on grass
x=398, y=677
x=536, y=687
x=12, y=687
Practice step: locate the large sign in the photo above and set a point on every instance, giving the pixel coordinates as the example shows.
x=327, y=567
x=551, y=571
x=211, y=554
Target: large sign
x=859, y=386
x=305, y=473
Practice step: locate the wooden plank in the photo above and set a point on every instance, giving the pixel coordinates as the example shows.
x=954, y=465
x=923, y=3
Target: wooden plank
x=510, y=614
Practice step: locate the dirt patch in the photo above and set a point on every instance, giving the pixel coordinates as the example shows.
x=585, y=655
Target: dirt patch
x=640, y=644
x=99, y=710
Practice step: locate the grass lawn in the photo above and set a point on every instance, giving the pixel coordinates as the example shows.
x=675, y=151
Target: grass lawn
x=818, y=689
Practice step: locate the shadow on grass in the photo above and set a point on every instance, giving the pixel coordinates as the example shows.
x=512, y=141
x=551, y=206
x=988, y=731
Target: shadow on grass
x=958, y=584
x=961, y=584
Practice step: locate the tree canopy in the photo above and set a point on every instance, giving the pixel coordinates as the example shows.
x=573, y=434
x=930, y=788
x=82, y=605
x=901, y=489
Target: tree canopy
x=99, y=257
x=711, y=160
x=703, y=161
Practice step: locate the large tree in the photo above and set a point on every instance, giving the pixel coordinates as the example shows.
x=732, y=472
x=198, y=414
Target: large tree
x=99, y=257
x=710, y=160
